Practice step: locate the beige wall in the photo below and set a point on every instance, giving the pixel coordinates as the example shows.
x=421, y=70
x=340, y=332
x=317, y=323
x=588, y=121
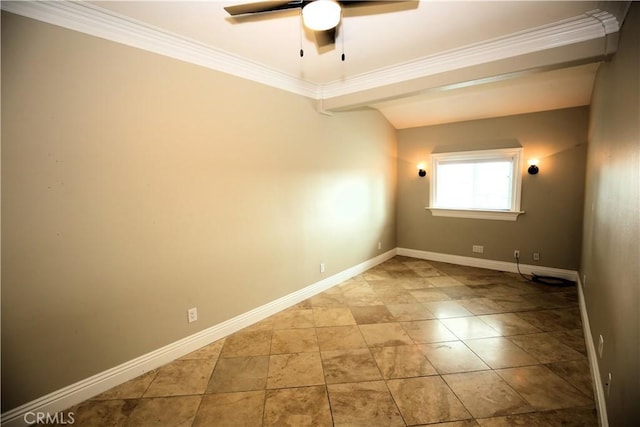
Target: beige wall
x=552, y=200
x=611, y=251
x=135, y=186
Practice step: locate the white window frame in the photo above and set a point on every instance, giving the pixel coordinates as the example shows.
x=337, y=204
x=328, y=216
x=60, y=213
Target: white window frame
x=511, y=214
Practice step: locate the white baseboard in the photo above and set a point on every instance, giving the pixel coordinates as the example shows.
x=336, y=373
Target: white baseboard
x=80, y=391
x=490, y=264
x=598, y=388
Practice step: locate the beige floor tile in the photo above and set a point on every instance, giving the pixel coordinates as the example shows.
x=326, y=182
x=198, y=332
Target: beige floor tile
x=132, y=389
x=462, y=292
x=413, y=283
x=333, y=316
x=485, y=394
x=409, y=312
x=413, y=263
x=295, y=370
x=546, y=300
x=447, y=309
x=376, y=275
x=340, y=338
x=426, y=400
x=512, y=303
x=303, y=406
x=500, y=353
x=572, y=417
x=498, y=290
x=363, y=404
x=403, y=274
x=469, y=328
x=553, y=320
x=545, y=348
x=239, y=374
x=247, y=343
x=354, y=283
x=444, y=281
x=294, y=341
x=181, y=377
x=452, y=357
x=293, y=318
x=509, y=324
x=329, y=299
x=177, y=411
x=347, y=366
x=577, y=373
x=427, y=331
x=453, y=269
x=402, y=361
x=478, y=279
x=396, y=296
x=364, y=295
x=211, y=351
x=371, y=314
x=384, y=335
x=429, y=295
x=383, y=285
x=463, y=423
x=99, y=413
x=427, y=272
x=262, y=325
x=573, y=338
x=543, y=389
x=243, y=408
x=302, y=305
x=479, y=306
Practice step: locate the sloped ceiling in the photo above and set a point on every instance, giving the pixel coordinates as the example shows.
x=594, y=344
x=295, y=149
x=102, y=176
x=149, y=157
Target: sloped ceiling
x=419, y=63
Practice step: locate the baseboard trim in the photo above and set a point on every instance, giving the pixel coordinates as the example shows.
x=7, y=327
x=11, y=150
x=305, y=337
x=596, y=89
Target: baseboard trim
x=598, y=387
x=80, y=391
x=489, y=264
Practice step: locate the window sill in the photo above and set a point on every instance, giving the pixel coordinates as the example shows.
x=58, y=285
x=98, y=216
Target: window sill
x=476, y=214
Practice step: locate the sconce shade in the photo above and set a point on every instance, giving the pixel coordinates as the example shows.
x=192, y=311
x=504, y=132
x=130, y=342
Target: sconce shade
x=422, y=172
x=321, y=15
x=533, y=169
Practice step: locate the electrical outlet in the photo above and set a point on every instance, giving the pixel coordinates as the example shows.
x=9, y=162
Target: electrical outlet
x=516, y=254
x=608, y=384
x=192, y=314
x=536, y=256
x=477, y=249
x=379, y=245
x=322, y=267
x=600, y=346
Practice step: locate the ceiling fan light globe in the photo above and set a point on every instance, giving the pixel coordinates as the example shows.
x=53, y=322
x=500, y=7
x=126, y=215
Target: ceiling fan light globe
x=321, y=15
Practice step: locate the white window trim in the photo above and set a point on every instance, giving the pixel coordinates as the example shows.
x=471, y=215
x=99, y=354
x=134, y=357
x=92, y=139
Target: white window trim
x=501, y=215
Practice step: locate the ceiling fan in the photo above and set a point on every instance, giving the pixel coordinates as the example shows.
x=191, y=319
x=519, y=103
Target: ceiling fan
x=320, y=16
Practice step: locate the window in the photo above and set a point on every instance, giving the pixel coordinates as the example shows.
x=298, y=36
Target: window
x=476, y=184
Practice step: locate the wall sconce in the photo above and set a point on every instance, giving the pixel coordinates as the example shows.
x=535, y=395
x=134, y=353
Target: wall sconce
x=533, y=166
x=421, y=170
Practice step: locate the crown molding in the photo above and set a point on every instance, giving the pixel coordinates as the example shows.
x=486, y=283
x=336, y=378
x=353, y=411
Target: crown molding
x=95, y=21
x=591, y=25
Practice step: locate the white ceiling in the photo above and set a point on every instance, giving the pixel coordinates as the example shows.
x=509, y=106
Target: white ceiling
x=419, y=63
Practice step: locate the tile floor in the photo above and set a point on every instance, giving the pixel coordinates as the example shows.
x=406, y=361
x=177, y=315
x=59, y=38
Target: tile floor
x=409, y=342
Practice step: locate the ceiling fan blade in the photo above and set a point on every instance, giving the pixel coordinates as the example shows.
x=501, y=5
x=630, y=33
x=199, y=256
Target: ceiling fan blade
x=349, y=3
x=386, y=4
x=262, y=6
x=325, y=38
